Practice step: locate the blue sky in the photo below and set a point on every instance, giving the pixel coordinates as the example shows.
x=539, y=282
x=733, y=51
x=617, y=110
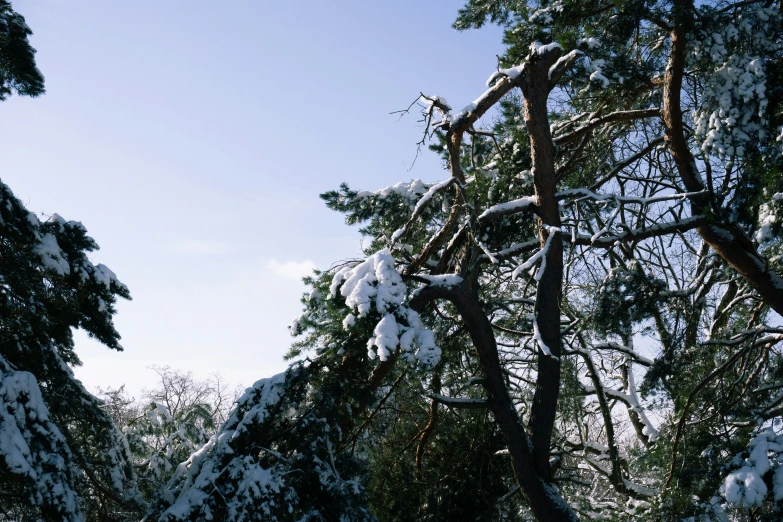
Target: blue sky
x=193, y=138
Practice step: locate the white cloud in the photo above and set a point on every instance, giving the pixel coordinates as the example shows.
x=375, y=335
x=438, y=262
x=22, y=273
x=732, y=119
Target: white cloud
x=291, y=269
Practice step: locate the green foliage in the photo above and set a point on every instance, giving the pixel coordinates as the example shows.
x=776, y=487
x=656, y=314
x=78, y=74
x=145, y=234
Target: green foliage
x=631, y=291
x=362, y=428
x=48, y=287
x=18, y=72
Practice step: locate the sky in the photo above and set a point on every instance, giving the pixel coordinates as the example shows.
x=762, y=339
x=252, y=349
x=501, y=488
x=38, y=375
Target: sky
x=192, y=139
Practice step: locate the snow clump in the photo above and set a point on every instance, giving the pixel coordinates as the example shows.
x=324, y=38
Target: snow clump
x=732, y=113
x=745, y=487
x=376, y=284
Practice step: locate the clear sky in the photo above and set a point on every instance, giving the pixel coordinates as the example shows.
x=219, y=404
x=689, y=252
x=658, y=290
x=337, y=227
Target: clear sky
x=192, y=139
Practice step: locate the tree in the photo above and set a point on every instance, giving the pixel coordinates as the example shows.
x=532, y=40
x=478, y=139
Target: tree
x=57, y=445
x=628, y=194
x=592, y=216
x=18, y=72
x=576, y=323
x=168, y=424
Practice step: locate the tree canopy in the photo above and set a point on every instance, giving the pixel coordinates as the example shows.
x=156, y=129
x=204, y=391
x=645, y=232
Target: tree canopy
x=580, y=321
x=18, y=72
x=58, y=443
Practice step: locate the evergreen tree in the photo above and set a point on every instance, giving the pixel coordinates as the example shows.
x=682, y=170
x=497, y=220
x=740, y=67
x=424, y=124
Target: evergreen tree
x=59, y=450
x=59, y=446
x=613, y=237
x=18, y=72
x=172, y=421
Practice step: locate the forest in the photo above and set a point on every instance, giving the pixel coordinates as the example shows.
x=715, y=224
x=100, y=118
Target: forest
x=580, y=321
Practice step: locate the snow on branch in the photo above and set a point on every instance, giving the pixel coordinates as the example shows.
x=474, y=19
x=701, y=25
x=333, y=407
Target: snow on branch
x=446, y=280
x=638, y=234
x=536, y=49
x=539, y=339
x=745, y=486
x=410, y=190
x=33, y=449
x=609, y=118
x=562, y=64
x=421, y=205
x=540, y=255
x=627, y=350
x=584, y=193
x=609, y=392
x=375, y=284
x=453, y=402
x=374, y=280
x=508, y=208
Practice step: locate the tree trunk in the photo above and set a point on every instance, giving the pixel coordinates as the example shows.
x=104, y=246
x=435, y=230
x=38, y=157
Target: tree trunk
x=542, y=498
x=727, y=240
x=535, y=89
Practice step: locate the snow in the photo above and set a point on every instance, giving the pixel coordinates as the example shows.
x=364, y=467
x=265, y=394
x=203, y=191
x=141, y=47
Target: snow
x=745, y=487
x=562, y=59
x=416, y=341
x=767, y=220
x=349, y=321
x=410, y=190
x=540, y=255
x=733, y=109
x=232, y=473
x=385, y=338
x=633, y=400
x=373, y=280
x=590, y=41
x=441, y=280
x=597, y=74
x=430, y=101
x=33, y=448
x=51, y=255
x=495, y=75
x=509, y=207
x=434, y=189
x=512, y=72
x=540, y=49
x=467, y=110
x=296, y=327
x=543, y=16
x=264, y=394
x=375, y=284
x=428, y=353
x=103, y=274
x=540, y=340
x=639, y=489
x=32, y=219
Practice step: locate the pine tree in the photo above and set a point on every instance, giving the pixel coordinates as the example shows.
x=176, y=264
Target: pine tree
x=18, y=72
x=169, y=423
x=629, y=193
x=59, y=450
x=59, y=445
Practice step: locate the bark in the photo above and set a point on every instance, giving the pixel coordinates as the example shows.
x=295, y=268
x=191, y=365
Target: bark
x=545, y=502
x=727, y=240
x=433, y=420
x=535, y=90
x=616, y=474
x=529, y=454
